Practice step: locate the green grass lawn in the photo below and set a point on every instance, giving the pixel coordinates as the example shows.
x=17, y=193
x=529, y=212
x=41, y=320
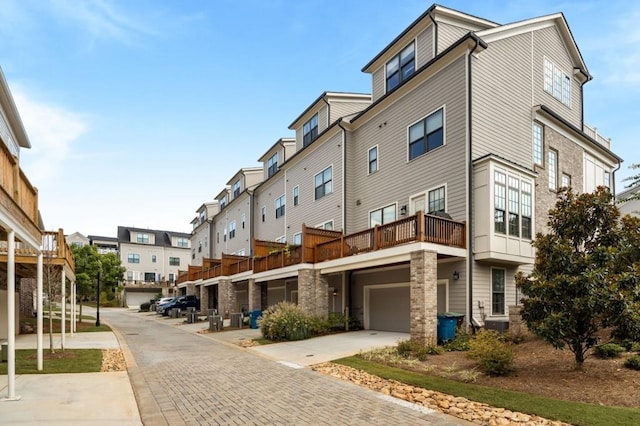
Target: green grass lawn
x=87, y=324
x=67, y=361
x=575, y=413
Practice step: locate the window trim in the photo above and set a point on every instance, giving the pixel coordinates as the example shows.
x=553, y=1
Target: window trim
x=395, y=204
x=323, y=224
x=398, y=57
x=296, y=195
x=236, y=188
x=174, y=263
x=426, y=198
x=154, y=258
x=294, y=238
x=504, y=291
x=312, y=137
x=315, y=188
x=143, y=238
x=552, y=153
x=560, y=90
x=280, y=211
x=272, y=168
x=377, y=160
x=133, y=258
x=263, y=213
x=232, y=230
x=442, y=108
x=533, y=144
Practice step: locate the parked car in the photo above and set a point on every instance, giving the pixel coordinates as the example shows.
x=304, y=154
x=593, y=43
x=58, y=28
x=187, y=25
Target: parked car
x=181, y=302
x=162, y=302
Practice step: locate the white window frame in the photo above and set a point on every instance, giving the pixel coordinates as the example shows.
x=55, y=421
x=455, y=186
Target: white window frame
x=504, y=291
x=236, y=188
x=281, y=239
x=565, y=180
x=280, y=210
x=398, y=57
x=272, y=165
x=142, y=238
x=395, y=205
x=297, y=234
x=232, y=230
x=324, y=194
x=133, y=258
x=323, y=225
x=296, y=195
x=424, y=118
x=244, y=219
x=377, y=160
x=426, y=198
x=552, y=165
x=537, y=144
x=557, y=83
x=310, y=132
x=263, y=214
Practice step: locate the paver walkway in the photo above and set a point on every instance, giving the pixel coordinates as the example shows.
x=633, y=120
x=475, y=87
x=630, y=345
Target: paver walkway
x=180, y=377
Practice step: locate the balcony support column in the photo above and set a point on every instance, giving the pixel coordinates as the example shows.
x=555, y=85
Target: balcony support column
x=204, y=298
x=191, y=288
x=227, y=302
x=255, y=295
x=424, y=296
x=313, y=292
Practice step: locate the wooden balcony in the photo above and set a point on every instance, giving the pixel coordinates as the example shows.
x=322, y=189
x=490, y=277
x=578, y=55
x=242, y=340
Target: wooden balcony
x=319, y=245
x=55, y=251
x=416, y=228
x=17, y=196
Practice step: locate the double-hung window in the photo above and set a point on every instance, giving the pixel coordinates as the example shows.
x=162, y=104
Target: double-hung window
x=526, y=206
x=183, y=242
x=143, y=238
x=133, y=258
x=381, y=216
x=401, y=67
x=310, y=130
x=232, y=230
x=538, y=145
x=263, y=213
x=499, y=202
x=279, y=204
x=427, y=134
x=296, y=195
x=297, y=239
x=174, y=261
x=497, y=291
x=512, y=205
x=372, y=158
x=236, y=189
x=272, y=165
x=557, y=83
x=437, y=200
x=324, y=183
x=153, y=258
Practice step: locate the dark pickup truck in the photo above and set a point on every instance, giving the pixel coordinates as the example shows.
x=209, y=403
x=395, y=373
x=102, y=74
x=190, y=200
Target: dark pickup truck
x=182, y=303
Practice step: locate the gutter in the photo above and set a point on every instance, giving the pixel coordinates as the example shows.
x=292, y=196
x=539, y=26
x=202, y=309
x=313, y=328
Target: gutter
x=324, y=98
x=435, y=32
x=344, y=177
x=470, y=185
x=251, y=224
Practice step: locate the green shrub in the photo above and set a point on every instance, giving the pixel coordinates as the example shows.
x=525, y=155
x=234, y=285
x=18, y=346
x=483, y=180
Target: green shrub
x=608, y=350
x=460, y=343
x=336, y=321
x=415, y=349
x=144, y=307
x=633, y=362
x=494, y=356
x=287, y=322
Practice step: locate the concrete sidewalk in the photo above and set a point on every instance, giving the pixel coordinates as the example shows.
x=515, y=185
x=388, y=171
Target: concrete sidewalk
x=61, y=399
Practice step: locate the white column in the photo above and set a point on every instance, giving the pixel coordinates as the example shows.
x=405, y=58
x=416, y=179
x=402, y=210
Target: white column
x=73, y=307
x=11, y=315
x=63, y=323
x=40, y=310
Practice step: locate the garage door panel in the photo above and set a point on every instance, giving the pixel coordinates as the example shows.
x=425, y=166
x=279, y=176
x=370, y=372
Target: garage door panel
x=137, y=298
x=389, y=309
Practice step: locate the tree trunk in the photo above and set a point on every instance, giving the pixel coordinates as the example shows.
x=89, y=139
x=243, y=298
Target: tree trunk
x=578, y=351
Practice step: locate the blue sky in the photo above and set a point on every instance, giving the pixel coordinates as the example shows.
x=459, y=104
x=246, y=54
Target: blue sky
x=140, y=111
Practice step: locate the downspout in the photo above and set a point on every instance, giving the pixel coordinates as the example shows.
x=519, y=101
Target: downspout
x=470, y=187
x=613, y=180
x=435, y=34
x=250, y=192
x=328, y=111
x=344, y=178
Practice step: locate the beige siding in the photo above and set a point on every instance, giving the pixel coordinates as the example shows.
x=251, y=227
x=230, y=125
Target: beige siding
x=482, y=290
x=266, y=195
x=341, y=109
x=323, y=118
x=310, y=211
x=377, y=80
x=448, y=35
x=200, y=244
x=547, y=43
x=299, y=135
x=397, y=179
x=457, y=288
x=289, y=150
x=233, y=213
x=502, y=100
x=253, y=178
x=424, y=46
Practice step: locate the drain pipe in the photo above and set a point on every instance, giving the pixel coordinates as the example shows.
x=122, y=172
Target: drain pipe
x=344, y=178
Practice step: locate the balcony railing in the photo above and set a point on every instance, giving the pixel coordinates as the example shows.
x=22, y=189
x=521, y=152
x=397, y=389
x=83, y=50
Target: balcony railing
x=592, y=132
x=17, y=194
x=55, y=249
x=319, y=245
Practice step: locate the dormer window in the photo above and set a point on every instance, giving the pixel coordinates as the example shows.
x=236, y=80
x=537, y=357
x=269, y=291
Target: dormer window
x=236, y=189
x=272, y=165
x=401, y=67
x=310, y=130
x=223, y=202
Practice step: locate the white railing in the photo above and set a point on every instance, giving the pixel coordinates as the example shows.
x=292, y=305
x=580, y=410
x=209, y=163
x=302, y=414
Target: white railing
x=592, y=132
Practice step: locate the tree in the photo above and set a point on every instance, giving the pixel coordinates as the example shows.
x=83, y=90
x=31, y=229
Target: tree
x=87, y=261
x=635, y=182
x=52, y=280
x=112, y=272
x=586, y=274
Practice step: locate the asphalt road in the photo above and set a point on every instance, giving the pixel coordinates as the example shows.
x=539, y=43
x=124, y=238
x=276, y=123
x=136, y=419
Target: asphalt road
x=183, y=378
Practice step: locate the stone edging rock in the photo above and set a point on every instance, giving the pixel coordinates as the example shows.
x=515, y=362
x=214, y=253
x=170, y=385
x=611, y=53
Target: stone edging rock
x=462, y=408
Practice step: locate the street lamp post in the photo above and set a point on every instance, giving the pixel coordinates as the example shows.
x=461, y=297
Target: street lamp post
x=98, y=303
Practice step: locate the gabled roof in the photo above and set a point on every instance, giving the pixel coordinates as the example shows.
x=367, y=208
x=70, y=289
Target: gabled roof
x=280, y=142
x=327, y=97
x=244, y=171
x=527, y=25
x=11, y=111
x=163, y=238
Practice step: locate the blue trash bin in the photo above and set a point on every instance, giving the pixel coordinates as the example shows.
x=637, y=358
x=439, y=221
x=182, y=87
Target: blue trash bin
x=446, y=329
x=253, y=318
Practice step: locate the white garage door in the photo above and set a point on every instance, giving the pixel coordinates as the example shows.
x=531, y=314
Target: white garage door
x=136, y=298
x=389, y=308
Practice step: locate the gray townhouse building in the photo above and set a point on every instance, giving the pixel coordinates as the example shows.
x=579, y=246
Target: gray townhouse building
x=422, y=197
x=201, y=246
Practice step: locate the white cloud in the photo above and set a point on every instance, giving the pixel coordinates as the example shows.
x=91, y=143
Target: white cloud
x=52, y=130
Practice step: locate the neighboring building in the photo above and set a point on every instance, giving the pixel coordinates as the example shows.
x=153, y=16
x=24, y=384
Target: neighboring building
x=104, y=245
x=77, y=239
x=424, y=196
x=202, y=230
x=627, y=204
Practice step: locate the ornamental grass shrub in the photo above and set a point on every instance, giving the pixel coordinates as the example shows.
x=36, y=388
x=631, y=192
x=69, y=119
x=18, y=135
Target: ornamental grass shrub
x=493, y=354
x=608, y=350
x=286, y=321
x=633, y=362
